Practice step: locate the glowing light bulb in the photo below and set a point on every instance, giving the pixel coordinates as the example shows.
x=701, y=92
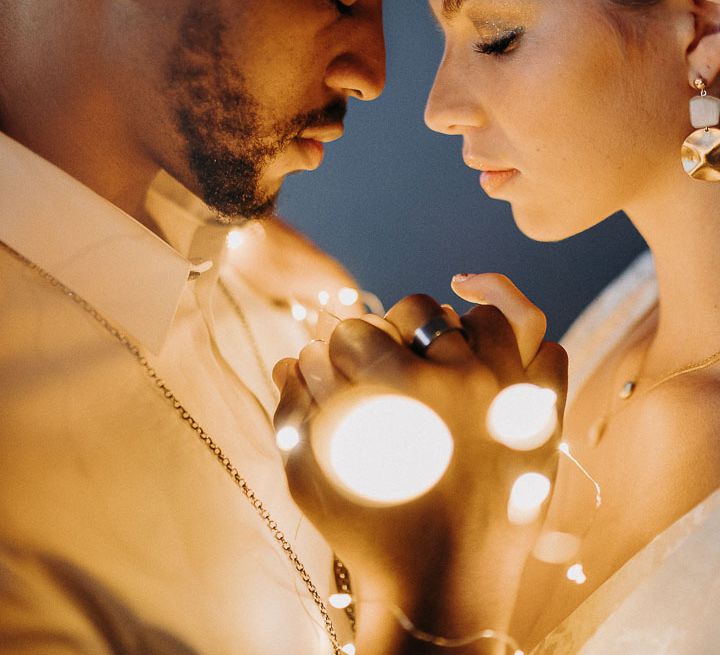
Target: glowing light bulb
x=528, y=494
x=348, y=649
x=576, y=574
x=299, y=313
x=235, y=239
x=523, y=416
x=287, y=438
x=340, y=601
x=324, y=298
x=382, y=448
x=348, y=296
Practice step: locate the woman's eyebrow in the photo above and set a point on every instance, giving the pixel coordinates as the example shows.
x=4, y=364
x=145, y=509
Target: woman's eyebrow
x=451, y=7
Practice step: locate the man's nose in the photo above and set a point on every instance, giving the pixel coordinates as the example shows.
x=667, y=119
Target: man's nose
x=452, y=107
x=359, y=69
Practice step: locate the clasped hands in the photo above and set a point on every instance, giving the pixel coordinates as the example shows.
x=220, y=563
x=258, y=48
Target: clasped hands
x=456, y=534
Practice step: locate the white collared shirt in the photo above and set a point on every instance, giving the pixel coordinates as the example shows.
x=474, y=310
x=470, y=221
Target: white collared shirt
x=118, y=528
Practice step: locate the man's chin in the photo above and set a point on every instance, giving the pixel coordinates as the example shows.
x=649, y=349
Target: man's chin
x=236, y=212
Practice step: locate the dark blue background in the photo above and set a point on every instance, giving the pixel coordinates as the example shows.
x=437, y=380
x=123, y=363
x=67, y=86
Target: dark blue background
x=394, y=202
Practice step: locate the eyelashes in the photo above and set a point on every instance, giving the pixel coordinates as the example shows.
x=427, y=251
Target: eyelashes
x=504, y=44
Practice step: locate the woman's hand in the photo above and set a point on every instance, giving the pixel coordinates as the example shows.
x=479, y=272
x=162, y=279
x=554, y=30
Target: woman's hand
x=455, y=540
x=527, y=320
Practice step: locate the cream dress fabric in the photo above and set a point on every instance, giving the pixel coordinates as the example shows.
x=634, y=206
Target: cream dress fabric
x=666, y=599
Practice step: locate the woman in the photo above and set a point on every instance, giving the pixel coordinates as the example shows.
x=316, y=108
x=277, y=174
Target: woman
x=573, y=111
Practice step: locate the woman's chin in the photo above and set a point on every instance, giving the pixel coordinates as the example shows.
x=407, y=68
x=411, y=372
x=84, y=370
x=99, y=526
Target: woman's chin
x=548, y=226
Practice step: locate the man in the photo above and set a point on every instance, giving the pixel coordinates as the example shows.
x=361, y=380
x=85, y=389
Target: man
x=132, y=337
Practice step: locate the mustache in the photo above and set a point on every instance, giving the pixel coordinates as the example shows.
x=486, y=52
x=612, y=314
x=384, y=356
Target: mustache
x=331, y=114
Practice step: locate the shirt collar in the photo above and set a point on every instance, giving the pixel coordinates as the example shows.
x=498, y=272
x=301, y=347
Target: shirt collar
x=128, y=273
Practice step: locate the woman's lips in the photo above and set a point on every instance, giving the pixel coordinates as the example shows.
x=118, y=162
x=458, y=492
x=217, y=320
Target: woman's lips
x=492, y=181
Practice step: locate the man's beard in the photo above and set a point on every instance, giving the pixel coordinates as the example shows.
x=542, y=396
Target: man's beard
x=229, y=178
x=228, y=146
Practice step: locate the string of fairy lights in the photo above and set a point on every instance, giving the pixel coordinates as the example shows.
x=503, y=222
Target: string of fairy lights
x=382, y=448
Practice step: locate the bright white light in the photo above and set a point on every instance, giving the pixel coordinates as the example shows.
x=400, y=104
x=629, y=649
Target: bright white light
x=287, y=438
x=576, y=574
x=299, y=313
x=519, y=652
x=340, y=601
x=348, y=296
x=523, y=416
x=528, y=494
x=235, y=239
x=348, y=649
x=384, y=448
x=564, y=448
x=324, y=298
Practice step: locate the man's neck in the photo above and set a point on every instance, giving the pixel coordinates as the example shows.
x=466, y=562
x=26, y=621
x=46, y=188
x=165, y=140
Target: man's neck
x=103, y=160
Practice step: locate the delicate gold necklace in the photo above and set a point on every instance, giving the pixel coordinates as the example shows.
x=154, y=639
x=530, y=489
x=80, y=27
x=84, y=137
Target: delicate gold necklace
x=277, y=534
x=628, y=389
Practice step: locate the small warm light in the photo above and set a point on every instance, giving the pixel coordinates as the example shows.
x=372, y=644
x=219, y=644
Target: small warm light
x=340, y=601
x=564, y=448
x=324, y=298
x=576, y=574
x=299, y=313
x=235, y=239
x=348, y=296
x=519, y=652
x=349, y=649
x=287, y=438
x=383, y=448
x=523, y=416
x=528, y=494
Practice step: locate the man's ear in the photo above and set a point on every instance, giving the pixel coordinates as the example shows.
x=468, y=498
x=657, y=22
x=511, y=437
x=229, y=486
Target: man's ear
x=703, y=55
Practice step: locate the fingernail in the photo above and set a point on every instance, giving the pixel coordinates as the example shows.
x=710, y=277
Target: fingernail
x=463, y=277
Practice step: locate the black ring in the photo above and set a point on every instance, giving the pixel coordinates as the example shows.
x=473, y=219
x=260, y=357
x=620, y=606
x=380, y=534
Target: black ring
x=426, y=334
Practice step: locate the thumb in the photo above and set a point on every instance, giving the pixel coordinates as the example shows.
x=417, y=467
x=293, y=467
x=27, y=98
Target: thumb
x=527, y=320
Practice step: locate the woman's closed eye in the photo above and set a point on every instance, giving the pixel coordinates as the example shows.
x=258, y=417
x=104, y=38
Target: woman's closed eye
x=501, y=45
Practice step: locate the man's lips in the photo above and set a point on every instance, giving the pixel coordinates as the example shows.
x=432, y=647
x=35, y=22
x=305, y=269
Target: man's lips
x=323, y=133
x=310, y=142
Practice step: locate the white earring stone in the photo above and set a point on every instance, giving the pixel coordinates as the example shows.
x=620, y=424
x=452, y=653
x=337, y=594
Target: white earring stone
x=704, y=111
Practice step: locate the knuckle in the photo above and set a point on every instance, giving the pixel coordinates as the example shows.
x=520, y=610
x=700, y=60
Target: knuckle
x=414, y=303
x=346, y=332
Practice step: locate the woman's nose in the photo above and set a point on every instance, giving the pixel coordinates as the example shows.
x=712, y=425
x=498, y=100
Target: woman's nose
x=452, y=107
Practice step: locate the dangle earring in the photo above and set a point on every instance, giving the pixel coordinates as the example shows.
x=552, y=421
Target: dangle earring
x=701, y=150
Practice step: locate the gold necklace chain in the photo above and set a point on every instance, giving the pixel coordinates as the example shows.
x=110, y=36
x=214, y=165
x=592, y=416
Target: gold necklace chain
x=340, y=571
x=239, y=480
x=598, y=428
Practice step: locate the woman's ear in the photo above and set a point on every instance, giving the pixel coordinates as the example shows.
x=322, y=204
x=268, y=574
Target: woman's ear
x=703, y=56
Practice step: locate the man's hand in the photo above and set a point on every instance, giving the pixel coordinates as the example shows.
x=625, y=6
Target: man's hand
x=457, y=534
